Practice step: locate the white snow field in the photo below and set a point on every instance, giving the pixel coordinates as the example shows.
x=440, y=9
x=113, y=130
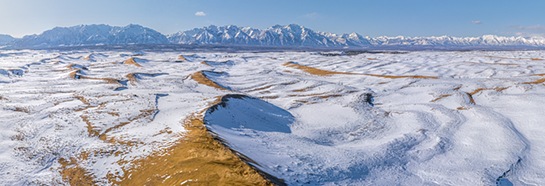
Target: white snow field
x=416, y=118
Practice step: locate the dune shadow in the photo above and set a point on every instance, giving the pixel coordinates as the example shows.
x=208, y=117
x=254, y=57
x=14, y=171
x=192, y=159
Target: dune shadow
x=504, y=182
x=243, y=112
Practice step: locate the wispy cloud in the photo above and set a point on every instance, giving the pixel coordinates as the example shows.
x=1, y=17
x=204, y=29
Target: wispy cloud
x=529, y=31
x=200, y=14
x=530, y=28
x=312, y=15
x=476, y=22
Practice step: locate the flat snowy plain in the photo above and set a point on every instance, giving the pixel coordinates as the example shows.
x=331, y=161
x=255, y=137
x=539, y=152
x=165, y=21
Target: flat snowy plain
x=417, y=118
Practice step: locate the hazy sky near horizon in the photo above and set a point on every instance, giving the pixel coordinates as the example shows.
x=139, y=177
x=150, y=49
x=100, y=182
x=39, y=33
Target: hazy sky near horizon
x=367, y=17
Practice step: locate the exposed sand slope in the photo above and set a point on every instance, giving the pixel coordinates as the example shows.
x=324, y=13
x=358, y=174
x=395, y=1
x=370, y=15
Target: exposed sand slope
x=320, y=72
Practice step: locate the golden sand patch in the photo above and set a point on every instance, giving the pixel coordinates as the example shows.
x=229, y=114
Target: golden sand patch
x=497, y=89
x=132, y=78
x=441, y=97
x=181, y=58
x=198, y=159
x=76, y=75
x=397, y=77
x=314, y=71
x=74, y=174
x=83, y=100
x=143, y=114
x=90, y=128
x=201, y=78
x=504, y=64
x=94, y=132
x=477, y=91
x=470, y=96
x=320, y=72
x=539, y=81
x=131, y=61
x=302, y=89
x=462, y=108
x=533, y=59
x=72, y=67
x=457, y=88
x=330, y=96
x=472, y=93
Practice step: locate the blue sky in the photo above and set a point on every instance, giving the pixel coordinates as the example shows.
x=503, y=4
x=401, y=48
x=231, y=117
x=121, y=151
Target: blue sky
x=367, y=17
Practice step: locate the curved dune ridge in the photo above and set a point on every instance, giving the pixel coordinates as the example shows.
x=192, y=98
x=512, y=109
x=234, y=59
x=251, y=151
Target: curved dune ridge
x=320, y=72
x=131, y=61
x=538, y=81
x=134, y=77
x=519, y=58
x=315, y=71
x=202, y=77
x=181, y=58
x=241, y=112
x=78, y=73
x=198, y=158
x=74, y=174
x=236, y=111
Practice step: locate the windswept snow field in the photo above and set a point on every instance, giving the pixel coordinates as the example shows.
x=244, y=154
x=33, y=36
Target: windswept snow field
x=300, y=118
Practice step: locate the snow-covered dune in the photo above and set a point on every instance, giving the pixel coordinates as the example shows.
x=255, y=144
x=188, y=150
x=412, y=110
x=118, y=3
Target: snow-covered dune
x=300, y=118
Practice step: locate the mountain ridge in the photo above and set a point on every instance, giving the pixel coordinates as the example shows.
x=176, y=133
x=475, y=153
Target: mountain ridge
x=5, y=39
x=91, y=35
x=288, y=36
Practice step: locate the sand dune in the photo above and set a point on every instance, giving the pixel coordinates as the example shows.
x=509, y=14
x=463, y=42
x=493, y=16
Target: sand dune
x=320, y=72
x=196, y=159
x=134, y=77
x=181, y=58
x=131, y=61
x=78, y=72
x=201, y=77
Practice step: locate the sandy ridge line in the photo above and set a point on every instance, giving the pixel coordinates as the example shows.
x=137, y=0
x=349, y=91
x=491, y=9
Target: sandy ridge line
x=201, y=78
x=320, y=72
x=198, y=158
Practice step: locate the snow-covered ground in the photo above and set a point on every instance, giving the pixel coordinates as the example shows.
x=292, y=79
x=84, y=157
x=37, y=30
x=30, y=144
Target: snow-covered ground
x=418, y=118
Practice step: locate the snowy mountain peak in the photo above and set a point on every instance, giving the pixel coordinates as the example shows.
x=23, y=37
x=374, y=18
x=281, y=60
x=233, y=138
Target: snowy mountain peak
x=294, y=35
x=294, y=27
x=291, y=35
x=5, y=39
x=89, y=35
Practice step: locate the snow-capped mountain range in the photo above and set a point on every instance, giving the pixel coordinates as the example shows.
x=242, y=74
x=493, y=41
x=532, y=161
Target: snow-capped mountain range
x=276, y=36
x=5, y=39
x=89, y=35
